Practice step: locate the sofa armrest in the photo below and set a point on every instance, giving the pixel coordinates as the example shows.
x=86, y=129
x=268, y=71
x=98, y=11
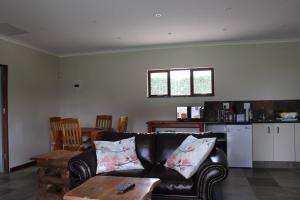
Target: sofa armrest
x=211, y=172
x=82, y=167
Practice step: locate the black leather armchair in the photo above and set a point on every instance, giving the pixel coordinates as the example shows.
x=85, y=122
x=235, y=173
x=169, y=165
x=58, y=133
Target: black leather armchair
x=153, y=150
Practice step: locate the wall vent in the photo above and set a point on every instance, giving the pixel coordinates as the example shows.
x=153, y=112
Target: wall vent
x=9, y=30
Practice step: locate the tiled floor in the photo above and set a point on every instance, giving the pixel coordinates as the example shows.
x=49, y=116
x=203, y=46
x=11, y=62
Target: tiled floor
x=20, y=185
x=261, y=184
x=241, y=184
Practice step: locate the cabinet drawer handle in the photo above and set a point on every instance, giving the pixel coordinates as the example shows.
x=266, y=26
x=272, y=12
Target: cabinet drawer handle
x=269, y=129
x=277, y=130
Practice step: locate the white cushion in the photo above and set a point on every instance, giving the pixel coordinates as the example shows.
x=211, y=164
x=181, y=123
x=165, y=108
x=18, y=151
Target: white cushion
x=187, y=158
x=115, y=156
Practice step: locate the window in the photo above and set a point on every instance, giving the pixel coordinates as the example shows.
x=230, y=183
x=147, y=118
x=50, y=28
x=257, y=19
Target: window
x=202, y=81
x=181, y=82
x=159, y=83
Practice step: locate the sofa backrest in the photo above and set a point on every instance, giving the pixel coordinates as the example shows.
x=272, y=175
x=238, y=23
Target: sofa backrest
x=153, y=148
x=145, y=144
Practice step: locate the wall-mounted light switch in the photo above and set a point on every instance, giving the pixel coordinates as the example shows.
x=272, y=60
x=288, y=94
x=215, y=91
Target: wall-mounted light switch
x=77, y=84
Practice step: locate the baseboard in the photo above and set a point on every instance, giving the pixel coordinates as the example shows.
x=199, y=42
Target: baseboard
x=275, y=164
x=23, y=166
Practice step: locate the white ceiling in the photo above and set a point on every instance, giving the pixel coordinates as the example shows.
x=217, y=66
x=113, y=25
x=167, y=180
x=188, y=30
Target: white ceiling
x=80, y=26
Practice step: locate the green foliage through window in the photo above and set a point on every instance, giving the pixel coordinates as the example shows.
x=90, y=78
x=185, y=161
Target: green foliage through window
x=202, y=82
x=159, y=83
x=180, y=82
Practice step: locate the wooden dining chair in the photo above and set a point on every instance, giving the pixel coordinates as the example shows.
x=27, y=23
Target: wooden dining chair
x=72, y=137
x=104, y=121
x=122, y=124
x=55, y=131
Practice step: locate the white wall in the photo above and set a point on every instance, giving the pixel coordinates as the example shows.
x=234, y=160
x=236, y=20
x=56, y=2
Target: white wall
x=32, y=98
x=116, y=83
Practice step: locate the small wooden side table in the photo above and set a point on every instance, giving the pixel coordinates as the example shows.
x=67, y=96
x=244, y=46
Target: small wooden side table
x=104, y=188
x=53, y=172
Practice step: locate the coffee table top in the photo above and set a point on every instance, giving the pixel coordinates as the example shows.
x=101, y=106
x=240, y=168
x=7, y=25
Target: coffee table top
x=104, y=187
x=62, y=155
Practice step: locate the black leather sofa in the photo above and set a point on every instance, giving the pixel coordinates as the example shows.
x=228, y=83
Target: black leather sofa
x=153, y=151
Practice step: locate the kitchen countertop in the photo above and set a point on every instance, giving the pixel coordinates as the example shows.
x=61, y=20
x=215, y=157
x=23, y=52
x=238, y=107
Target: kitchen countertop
x=229, y=123
x=252, y=122
x=276, y=121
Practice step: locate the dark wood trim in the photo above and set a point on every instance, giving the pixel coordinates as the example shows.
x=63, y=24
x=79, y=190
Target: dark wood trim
x=192, y=81
x=23, y=166
x=4, y=80
x=192, y=94
x=149, y=83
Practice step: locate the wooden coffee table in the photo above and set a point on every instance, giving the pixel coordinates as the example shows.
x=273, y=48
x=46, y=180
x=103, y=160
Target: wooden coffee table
x=53, y=172
x=104, y=188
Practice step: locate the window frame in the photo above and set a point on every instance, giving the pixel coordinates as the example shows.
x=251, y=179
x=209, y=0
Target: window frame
x=168, y=82
x=192, y=69
x=212, y=81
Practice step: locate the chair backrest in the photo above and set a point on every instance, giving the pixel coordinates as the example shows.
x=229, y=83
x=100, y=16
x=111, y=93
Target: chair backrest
x=72, y=137
x=54, y=124
x=104, y=121
x=122, y=125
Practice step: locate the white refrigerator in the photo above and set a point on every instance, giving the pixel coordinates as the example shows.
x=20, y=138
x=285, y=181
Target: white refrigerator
x=239, y=145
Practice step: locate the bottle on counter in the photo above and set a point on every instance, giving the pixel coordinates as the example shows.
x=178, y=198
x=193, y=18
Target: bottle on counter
x=232, y=115
x=221, y=115
x=250, y=115
x=227, y=115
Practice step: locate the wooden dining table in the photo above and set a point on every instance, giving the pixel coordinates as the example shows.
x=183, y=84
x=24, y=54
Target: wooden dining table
x=94, y=133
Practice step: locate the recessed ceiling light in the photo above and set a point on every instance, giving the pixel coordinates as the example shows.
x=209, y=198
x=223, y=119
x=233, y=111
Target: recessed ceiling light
x=228, y=9
x=158, y=15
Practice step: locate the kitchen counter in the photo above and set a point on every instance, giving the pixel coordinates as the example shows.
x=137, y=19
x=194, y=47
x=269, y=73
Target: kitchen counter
x=276, y=121
x=252, y=122
x=229, y=123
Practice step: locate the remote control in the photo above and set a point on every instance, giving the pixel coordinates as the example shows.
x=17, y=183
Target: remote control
x=125, y=187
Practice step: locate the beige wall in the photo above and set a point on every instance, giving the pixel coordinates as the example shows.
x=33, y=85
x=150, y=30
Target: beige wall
x=116, y=83
x=32, y=98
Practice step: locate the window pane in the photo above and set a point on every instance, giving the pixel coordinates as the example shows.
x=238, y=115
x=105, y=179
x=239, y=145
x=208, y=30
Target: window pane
x=159, y=83
x=202, y=82
x=180, y=82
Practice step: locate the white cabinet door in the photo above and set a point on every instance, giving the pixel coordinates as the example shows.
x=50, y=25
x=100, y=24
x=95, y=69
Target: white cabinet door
x=297, y=141
x=284, y=142
x=263, y=144
x=239, y=145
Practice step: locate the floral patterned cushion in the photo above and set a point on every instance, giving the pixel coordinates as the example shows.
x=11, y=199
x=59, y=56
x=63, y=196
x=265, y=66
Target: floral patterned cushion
x=115, y=156
x=187, y=158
